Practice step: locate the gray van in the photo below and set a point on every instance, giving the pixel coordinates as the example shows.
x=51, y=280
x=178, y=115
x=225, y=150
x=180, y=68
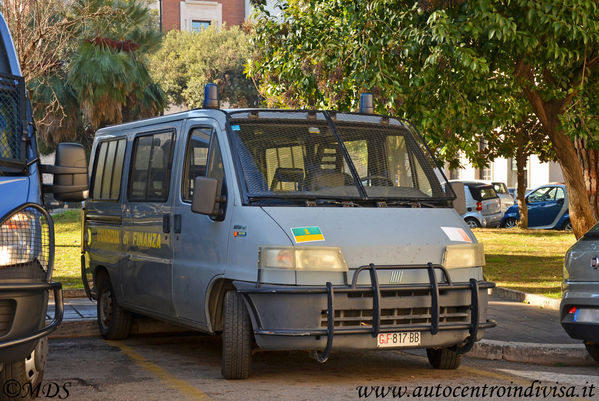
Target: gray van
x=296, y=230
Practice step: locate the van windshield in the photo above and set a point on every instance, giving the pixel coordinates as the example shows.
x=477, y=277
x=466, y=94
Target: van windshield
x=303, y=155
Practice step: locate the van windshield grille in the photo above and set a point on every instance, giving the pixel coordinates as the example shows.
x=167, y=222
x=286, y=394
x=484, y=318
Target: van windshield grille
x=309, y=155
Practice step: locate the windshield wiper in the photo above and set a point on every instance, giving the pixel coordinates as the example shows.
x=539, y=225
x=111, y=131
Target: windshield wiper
x=411, y=203
x=320, y=202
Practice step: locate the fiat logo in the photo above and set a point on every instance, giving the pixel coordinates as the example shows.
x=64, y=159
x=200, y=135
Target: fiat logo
x=594, y=263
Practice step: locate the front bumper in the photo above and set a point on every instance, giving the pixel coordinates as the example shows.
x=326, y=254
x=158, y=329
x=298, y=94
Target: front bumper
x=583, y=296
x=23, y=316
x=445, y=313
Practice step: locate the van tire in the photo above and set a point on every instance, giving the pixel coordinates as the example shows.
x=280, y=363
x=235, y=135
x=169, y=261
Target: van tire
x=593, y=350
x=443, y=358
x=114, y=322
x=472, y=222
x=237, y=338
x=28, y=370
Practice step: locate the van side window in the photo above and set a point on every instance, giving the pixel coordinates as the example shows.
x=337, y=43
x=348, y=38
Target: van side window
x=196, y=159
x=151, y=167
x=215, y=167
x=108, y=170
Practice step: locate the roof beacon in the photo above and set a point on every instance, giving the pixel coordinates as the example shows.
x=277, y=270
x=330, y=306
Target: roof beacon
x=211, y=96
x=366, y=103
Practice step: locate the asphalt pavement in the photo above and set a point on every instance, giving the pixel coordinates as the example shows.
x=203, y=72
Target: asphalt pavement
x=524, y=332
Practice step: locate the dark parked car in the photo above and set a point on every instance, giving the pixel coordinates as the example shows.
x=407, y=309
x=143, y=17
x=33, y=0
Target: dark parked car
x=547, y=209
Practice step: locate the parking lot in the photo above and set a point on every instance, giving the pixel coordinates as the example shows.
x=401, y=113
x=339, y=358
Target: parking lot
x=187, y=366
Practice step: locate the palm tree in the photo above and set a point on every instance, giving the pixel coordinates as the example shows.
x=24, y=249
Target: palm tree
x=109, y=71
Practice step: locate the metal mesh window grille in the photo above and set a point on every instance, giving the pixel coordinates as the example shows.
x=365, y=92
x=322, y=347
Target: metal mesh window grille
x=26, y=243
x=12, y=116
x=287, y=153
x=283, y=156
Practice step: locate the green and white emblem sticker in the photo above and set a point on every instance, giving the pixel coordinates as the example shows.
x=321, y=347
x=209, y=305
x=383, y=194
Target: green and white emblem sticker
x=307, y=234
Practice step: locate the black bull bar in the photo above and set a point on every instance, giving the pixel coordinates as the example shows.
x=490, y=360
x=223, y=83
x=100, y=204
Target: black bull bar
x=433, y=286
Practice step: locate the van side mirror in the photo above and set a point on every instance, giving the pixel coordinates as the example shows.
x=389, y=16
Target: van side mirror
x=204, y=200
x=70, y=173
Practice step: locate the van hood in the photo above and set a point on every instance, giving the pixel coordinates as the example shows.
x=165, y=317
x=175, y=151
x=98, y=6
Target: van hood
x=383, y=236
x=14, y=192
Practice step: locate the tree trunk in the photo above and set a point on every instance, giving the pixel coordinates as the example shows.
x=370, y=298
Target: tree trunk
x=581, y=214
x=521, y=159
x=589, y=161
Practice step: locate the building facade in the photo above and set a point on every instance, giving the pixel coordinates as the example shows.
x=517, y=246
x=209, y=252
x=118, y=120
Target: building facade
x=193, y=15
x=504, y=170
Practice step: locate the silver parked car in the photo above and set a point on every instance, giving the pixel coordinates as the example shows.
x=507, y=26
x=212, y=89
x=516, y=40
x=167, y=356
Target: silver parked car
x=579, y=310
x=478, y=203
x=502, y=191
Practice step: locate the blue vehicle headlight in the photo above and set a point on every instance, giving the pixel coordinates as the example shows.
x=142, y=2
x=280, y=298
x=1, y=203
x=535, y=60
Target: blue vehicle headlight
x=25, y=239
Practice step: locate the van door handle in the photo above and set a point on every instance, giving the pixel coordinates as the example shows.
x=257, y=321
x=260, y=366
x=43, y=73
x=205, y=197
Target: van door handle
x=166, y=223
x=177, y=224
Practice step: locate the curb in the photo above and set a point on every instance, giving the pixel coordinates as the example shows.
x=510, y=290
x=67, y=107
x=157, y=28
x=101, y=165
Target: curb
x=531, y=299
x=71, y=293
x=89, y=328
x=539, y=354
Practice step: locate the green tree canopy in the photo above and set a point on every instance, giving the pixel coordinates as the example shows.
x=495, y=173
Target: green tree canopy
x=456, y=69
x=189, y=60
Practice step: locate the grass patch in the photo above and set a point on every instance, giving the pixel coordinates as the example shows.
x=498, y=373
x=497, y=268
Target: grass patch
x=67, y=261
x=526, y=260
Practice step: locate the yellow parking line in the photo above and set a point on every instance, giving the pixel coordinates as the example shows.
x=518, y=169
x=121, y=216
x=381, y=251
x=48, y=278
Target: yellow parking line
x=178, y=384
x=488, y=373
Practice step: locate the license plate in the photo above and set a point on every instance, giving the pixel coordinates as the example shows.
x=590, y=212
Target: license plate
x=402, y=339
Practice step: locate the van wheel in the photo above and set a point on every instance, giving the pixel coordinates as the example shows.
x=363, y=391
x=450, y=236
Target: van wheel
x=444, y=358
x=237, y=338
x=28, y=372
x=114, y=322
x=472, y=222
x=593, y=350
x=509, y=223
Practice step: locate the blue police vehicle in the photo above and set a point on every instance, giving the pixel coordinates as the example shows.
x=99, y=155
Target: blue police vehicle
x=26, y=232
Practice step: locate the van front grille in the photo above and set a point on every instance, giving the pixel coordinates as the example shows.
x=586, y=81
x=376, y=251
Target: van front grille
x=7, y=314
x=396, y=317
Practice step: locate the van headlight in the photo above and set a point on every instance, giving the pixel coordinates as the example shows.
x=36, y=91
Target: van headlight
x=302, y=258
x=25, y=238
x=463, y=255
